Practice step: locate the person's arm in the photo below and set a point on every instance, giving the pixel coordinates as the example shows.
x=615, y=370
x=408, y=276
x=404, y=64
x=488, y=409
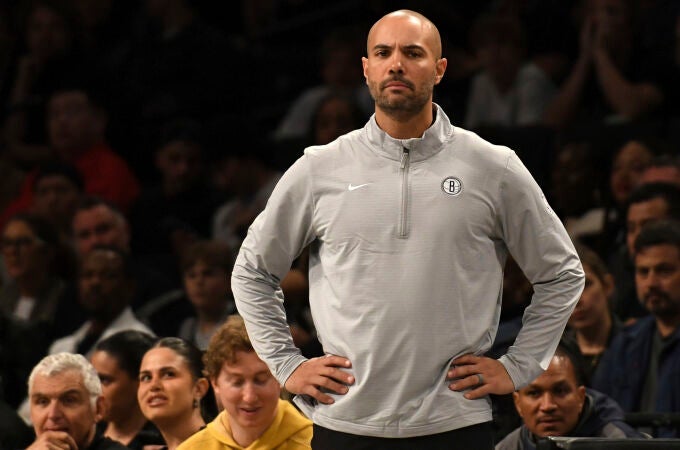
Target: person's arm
x=537, y=240
x=540, y=245
x=626, y=98
x=274, y=240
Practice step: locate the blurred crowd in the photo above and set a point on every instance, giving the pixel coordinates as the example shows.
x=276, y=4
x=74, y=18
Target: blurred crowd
x=139, y=140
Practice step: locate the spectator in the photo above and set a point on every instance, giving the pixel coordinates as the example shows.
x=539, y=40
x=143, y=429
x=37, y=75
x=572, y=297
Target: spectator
x=593, y=324
x=171, y=386
x=206, y=266
x=97, y=222
x=340, y=74
x=169, y=215
x=116, y=360
x=610, y=81
x=254, y=415
x=106, y=288
x=508, y=91
x=648, y=203
x=66, y=402
x=557, y=403
x=639, y=370
x=29, y=299
x=47, y=52
x=335, y=115
x=57, y=189
x=76, y=122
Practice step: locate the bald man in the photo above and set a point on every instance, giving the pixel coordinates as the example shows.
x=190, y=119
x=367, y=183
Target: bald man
x=409, y=222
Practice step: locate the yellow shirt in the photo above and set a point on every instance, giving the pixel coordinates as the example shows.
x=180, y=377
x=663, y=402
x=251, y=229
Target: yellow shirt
x=289, y=431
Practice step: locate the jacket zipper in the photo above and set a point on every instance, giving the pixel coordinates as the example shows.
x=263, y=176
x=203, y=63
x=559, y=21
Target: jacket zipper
x=403, y=218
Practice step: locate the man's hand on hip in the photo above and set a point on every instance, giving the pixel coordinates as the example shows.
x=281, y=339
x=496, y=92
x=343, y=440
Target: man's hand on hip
x=322, y=373
x=481, y=375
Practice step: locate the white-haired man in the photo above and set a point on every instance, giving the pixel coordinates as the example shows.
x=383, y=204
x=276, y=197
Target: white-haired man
x=66, y=402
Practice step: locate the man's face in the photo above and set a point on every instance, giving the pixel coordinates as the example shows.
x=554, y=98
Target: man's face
x=403, y=64
x=180, y=164
x=104, y=287
x=657, y=279
x=248, y=391
x=640, y=214
x=73, y=123
x=99, y=226
x=118, y=387
x=55, y=197
x=62, y=403
x=207, y=287
x=552, y=403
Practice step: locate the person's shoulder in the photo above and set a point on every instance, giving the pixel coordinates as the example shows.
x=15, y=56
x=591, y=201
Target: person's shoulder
x=464, y=141
x=510, y=442
x=336, y=148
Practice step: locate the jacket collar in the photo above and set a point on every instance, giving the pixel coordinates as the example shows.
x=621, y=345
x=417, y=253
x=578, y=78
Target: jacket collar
x=420, y=148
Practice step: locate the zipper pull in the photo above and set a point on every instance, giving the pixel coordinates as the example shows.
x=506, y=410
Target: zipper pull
x=404, y=157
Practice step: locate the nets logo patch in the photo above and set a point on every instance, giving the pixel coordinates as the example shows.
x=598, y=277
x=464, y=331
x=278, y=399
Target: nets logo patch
x=452, y=186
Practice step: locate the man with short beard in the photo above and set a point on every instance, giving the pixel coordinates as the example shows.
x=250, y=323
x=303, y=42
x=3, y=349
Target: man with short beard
x=409, y=222
x=640, y=368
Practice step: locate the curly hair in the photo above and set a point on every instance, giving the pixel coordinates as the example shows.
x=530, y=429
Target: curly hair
x=229, y=339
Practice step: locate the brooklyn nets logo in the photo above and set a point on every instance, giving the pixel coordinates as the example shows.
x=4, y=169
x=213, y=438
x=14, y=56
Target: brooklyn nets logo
x=452, y=186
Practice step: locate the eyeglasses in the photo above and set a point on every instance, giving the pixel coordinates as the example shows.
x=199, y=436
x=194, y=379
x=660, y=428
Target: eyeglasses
x=18, y=243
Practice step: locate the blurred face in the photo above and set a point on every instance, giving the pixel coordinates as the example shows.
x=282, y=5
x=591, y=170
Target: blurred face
x=99, y=226
x=641, y=213
x=657, y=279
x=62, y=403
x=207, y=287
x=502, y=60
x=55, y=197
x=403, y=64
x=180, y=164
x=593, y=305
x=552, y=403
x=104, y=288
x=24, y=253
x=73, y=123
x=118, y=387
x=334, y=118
x=166, y=388
x=628, y=166
x=573, y=179
x=46, y=34
x=248, y=391
x=613, y=17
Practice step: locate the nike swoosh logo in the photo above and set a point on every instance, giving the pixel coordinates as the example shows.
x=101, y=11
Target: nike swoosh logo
x=351, y=187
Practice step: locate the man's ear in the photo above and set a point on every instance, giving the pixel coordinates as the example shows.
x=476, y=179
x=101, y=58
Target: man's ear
x=101, y=408
x=440, y=68
x=364, y=64
x=518, y=407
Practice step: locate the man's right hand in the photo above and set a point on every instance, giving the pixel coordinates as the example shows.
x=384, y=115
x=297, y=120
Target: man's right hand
x=321, y=373
x=52, y=440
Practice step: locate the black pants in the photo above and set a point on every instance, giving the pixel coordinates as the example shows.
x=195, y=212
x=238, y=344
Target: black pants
x=474, y=437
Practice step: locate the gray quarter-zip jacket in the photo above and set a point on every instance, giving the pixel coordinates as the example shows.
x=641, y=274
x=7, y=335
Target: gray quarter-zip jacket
x=408, y=243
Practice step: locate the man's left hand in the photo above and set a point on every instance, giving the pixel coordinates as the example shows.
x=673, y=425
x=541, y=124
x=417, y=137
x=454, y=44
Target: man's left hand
x=481, y=375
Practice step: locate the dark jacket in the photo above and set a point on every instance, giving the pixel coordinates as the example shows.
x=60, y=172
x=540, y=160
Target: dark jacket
x=601, y=417
x=624, y=366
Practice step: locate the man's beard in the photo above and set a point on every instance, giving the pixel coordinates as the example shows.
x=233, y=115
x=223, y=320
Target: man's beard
x=663, y=306
x=401, y=106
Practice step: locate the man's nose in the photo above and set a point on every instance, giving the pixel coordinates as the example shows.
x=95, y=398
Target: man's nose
x=54, y=411
x=249, y=393
x=396, y=65
x=547, y=402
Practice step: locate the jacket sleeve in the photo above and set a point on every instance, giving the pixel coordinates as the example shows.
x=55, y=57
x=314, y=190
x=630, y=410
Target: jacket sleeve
x=540, y=245
x=274, y=240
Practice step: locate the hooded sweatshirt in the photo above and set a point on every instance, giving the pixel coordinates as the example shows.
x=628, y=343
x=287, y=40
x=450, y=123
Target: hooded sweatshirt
x=289, y=431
